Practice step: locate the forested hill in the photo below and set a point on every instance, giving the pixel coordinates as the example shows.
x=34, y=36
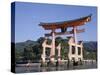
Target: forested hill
x=88, y=45
x=32, y=50
x=21, y=45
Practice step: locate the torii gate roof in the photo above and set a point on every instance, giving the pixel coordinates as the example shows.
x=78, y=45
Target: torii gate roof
x=71, y=23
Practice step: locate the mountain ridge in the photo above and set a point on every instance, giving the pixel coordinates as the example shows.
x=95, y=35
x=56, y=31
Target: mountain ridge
x=88, y=45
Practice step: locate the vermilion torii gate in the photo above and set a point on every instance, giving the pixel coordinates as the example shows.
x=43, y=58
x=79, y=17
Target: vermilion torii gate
x=73, y=40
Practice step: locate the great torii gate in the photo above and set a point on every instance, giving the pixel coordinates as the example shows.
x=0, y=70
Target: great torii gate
x=64, y=26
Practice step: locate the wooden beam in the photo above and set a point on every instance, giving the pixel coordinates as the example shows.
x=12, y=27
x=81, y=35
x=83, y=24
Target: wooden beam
x=65, y=24
x=65, y=33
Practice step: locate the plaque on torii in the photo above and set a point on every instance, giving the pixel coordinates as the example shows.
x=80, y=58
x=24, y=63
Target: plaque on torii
x=64, y=26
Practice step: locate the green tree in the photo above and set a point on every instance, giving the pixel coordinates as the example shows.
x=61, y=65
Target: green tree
x=18, y=55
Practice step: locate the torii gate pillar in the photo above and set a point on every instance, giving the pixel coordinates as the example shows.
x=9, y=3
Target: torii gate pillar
x=75, y=40
x=52, y=53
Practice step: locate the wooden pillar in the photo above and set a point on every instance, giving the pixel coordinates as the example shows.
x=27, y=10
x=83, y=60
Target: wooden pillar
x=59, y=47
x=59, y=53
x=52, y=53
x=70, y=52
x=75, y=40
x=43, y=52
x=81, y=52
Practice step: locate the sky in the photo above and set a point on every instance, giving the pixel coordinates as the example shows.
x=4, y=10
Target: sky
x=29, y=15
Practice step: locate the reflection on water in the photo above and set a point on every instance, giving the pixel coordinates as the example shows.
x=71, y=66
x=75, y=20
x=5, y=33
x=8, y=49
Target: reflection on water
x=58, y=68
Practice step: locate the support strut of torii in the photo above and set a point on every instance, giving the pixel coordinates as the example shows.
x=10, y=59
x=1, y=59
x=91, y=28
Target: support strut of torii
x=45, y=45
x=63, y=26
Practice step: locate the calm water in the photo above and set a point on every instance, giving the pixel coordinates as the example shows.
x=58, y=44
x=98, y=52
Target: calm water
x=37, y=68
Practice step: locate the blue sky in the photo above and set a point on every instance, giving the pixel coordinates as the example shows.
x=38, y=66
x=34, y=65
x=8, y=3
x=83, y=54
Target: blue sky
x=29, y=15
